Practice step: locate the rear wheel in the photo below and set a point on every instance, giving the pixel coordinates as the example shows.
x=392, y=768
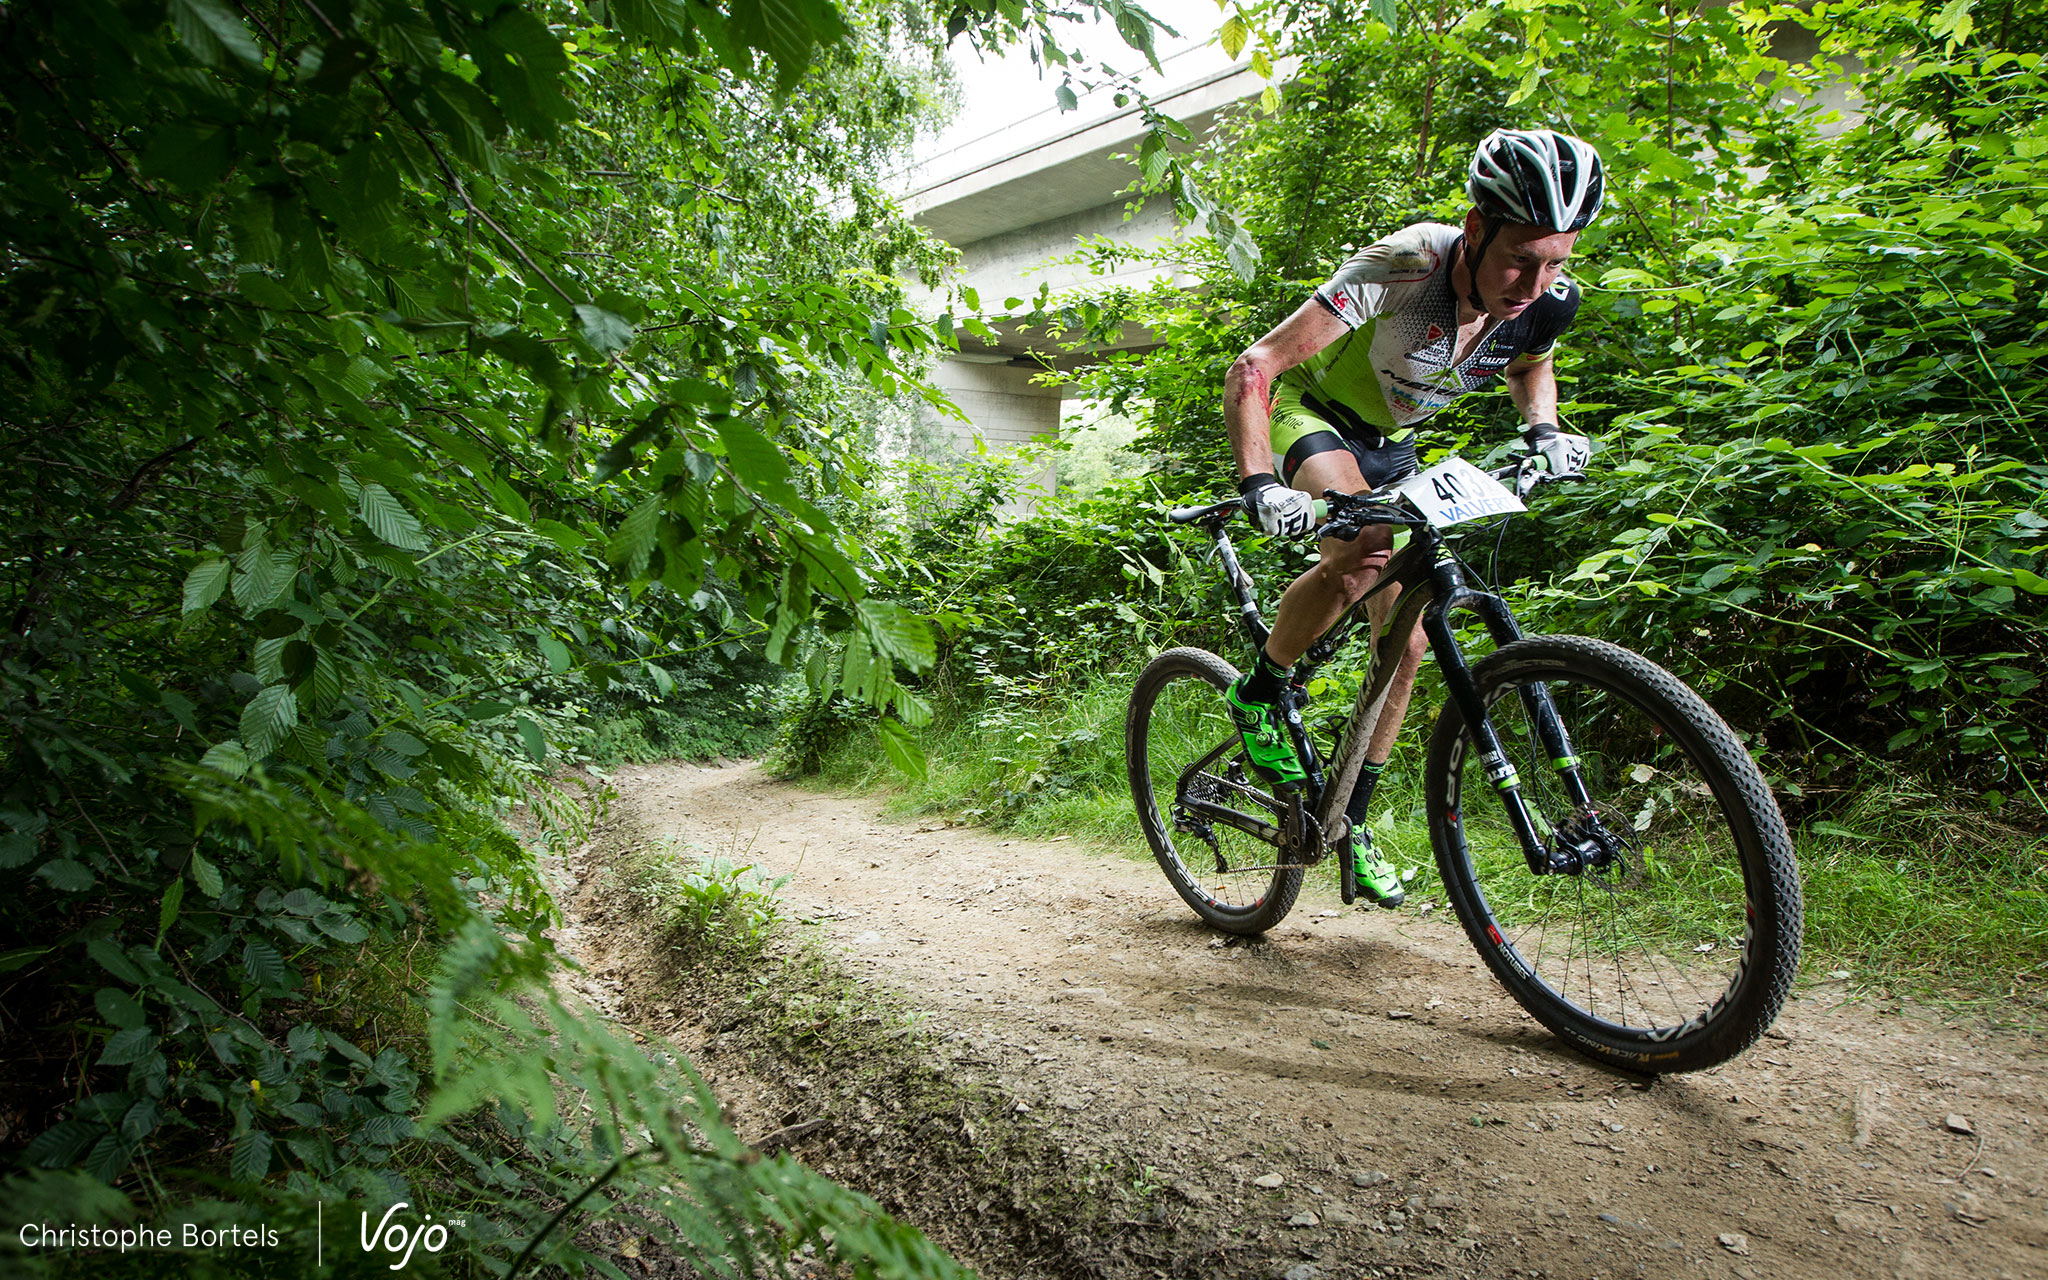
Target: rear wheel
x=1674, y=944
x=1211, y=823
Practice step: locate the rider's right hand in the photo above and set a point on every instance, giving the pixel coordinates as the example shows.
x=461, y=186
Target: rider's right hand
x=1275, y=508
x=1563, y=453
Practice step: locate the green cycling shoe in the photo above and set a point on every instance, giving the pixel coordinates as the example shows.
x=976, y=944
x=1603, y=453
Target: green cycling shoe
x=1377, y=879
x=1266, y=743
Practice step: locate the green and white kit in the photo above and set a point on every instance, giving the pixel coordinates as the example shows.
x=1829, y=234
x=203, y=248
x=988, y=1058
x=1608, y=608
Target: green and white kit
x=1369, y=389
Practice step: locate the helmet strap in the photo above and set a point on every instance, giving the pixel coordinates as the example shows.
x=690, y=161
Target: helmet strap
x=1472, y=265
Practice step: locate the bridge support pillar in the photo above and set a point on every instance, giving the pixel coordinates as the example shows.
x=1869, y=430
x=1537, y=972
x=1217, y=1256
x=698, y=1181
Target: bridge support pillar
x=1002, y=402
x=1006, y=408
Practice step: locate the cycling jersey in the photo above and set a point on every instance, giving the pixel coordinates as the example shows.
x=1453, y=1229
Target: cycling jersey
x=1396, y=366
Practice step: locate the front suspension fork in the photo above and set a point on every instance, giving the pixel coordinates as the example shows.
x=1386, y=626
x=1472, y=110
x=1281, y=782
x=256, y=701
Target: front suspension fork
x=1543, y=857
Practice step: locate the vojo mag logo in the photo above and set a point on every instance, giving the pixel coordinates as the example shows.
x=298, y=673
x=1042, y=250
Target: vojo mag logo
x=403, y=1236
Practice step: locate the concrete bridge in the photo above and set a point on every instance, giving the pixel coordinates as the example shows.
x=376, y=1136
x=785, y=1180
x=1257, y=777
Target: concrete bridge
x=1016, y=199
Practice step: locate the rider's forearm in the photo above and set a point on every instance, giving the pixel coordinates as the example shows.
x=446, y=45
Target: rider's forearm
x=1247, y=414
x=1248, y=387
x=1534, y=390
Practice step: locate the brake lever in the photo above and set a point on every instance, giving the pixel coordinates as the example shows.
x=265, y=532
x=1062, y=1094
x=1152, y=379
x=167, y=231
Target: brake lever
x=1341, y=525
x=1539, y=478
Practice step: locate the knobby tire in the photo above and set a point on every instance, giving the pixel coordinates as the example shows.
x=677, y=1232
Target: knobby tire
x=1177, y=716
x=1677, y=954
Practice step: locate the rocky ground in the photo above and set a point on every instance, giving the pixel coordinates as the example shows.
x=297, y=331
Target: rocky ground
x=1035, y=1053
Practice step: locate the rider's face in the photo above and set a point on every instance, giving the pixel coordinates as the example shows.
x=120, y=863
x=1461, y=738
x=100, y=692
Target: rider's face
x=1520, y=264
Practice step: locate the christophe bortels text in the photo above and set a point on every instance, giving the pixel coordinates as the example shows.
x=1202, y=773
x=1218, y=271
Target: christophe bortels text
x=190, y=1235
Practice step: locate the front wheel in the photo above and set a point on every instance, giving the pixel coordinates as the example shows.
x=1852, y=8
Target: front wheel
x=1672, y=943
x=1212, y=825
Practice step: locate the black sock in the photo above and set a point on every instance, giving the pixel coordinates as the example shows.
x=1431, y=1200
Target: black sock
x=1265, y=682
x=1361, y=795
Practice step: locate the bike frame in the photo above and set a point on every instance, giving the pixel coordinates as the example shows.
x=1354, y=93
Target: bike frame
x=1431, y=583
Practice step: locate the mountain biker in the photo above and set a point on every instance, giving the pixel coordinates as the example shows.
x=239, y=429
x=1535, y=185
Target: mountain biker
x=1336, y=390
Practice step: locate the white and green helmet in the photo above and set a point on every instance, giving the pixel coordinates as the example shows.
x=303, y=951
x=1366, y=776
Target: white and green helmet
x=1536, y=177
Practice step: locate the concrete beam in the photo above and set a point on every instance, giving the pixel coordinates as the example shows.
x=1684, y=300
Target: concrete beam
x=1004, y=404
x=1061, y=175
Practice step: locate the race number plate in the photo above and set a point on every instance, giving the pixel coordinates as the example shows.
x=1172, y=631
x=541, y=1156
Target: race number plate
x=1454, y=491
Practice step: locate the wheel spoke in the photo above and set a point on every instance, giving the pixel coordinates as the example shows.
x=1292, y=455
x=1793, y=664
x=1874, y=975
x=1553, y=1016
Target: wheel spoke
x=1649, y=938
x=1211, y=826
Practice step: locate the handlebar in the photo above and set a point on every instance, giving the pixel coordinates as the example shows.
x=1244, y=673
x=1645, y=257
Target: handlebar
x=1347, y=513
x=1351, y=512
x=1225, y=509
x=1215, y=510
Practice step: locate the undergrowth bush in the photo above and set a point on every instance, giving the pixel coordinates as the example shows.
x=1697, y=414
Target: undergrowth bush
x=810, y=727
x=728, y=719
x=1055, y=612
x=719, y=911
x=372, y=450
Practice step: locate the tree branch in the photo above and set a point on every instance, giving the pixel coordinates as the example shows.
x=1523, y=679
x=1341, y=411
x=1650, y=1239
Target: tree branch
x=147, y=473
x=448, y=173
x=43, y=579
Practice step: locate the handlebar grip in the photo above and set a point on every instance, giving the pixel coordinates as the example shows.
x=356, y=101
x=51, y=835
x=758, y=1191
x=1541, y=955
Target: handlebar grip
x=1189, y=515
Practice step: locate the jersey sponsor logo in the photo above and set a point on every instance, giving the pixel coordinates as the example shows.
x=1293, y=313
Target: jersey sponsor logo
x=1410, y=265
x=1433, y=356
x=1562, y=289
x=1435, y=385
x=1341, y=301
x=1415, y=399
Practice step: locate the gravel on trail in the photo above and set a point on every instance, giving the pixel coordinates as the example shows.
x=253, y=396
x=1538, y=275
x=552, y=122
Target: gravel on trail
x=1351, y=1095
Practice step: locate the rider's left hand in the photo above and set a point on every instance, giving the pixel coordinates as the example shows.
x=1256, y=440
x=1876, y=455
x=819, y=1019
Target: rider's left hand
x=1556, y=453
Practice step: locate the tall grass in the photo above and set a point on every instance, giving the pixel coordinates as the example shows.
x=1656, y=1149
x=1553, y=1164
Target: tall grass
x=1058, y=770
x=1037, y=770
x=1902, y=890
x=1903, y=885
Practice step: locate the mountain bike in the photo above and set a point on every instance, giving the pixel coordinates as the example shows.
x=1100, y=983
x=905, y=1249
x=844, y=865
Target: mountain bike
x=1610, y=848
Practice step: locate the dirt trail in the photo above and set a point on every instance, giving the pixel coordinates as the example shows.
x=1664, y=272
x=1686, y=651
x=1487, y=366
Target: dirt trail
x=1355, y=1095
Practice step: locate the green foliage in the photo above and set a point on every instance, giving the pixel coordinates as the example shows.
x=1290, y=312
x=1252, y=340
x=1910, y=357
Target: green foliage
x=718, y=911
x=1902, y=882
x=1043, y=615
x=809, y=729
x=638, y=1134
x=404, y=396
x=701, y=731
x=697, y=706
x=1809, y=347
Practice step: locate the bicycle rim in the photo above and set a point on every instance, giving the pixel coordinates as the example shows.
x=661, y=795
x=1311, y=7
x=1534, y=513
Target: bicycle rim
x=1211, y=823
x=1675, y=948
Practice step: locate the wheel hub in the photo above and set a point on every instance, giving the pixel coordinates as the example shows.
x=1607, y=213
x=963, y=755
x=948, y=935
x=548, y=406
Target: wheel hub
x=1584, y=844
